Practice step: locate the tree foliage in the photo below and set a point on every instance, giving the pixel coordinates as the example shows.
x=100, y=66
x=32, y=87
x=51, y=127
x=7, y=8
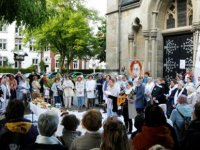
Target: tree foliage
x=30, y=13
x=101, y=41
x=67, y=31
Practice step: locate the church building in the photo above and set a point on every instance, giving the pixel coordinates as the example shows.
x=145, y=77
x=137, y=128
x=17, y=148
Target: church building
x=162, y=34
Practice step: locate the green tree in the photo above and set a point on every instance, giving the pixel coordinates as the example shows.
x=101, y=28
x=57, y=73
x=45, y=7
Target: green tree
x=101, y=41
x=67, y=31
x=30, y=13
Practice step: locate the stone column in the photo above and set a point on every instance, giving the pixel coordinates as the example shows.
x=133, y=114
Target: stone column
x=154, y=54
x=131, y=46
x=146, y=50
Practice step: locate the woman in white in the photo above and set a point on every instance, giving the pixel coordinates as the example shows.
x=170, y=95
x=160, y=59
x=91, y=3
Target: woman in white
x=80, y=86
x=192, y=97
x=68, y=92
x=6, y=94
x=112, y=93
x=23, y=88
x=90, y=89
x=36, y=85
x=189, y=83
x=148, y=89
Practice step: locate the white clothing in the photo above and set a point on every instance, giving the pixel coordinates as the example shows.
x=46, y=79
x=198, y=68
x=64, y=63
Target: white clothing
x=90, y=88
x=54, y=88
x=113, y=91
x=171, y=89
x=47, y=140
x=46, y=90
x=68, y=87
x=67, y=102
x=148, y=90
x=80, y=86
x=192, y=99
x=188, y=85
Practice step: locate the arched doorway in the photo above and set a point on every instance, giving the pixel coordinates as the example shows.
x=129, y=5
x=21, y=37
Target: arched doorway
x=177, y=38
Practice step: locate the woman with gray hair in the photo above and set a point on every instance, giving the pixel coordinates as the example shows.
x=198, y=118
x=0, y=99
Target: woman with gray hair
x=47, y=125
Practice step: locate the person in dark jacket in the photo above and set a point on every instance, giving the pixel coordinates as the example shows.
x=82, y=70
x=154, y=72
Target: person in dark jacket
x=140, y=102
x=158, y=93
x=99, y=84
x=191, y=141
x=17, y=131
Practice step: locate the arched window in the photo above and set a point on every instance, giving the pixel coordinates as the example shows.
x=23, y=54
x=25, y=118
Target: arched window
x=179, y=14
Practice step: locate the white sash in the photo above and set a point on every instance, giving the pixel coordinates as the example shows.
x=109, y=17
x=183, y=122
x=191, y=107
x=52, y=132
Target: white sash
x=176, y=96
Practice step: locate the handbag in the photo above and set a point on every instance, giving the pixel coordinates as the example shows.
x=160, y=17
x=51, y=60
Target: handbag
x=60, y=92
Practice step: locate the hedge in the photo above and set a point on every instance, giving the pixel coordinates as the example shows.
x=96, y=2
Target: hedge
x=89, y=71
x=15, y=70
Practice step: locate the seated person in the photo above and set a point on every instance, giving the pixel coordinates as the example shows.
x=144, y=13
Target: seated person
x=191, y=140
x=92, y=121
x=47, y=125
x=154, y=130
x=17, y=131
x=114, y=136
x=70, y=123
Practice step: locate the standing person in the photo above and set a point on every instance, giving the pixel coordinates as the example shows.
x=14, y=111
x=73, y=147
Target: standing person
x=35, y=87
x=182, y=111
x=17, y=77
x=112, y=93
x=179, y=91
x=105, y=88
x=13, y=87
x=148, y=89
x=170, y=96
x=68, y=92
x=6, y=92
x=99, y=89
x=42, y=80
x=31, y=78
x=46, y=87
x=145, y=78
x=158, y=93
x=128, y=108
x=23, y=89
x=80, y=87
x=189, y=83
x=90, y=89
x=188, y=74
x=56, y=87
x=191, y=97
x=140, y=102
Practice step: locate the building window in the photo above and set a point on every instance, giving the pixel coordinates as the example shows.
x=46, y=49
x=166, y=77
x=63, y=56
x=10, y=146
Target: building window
x=31, y=45
x=47, y=48
x=3, y=44
x=18, y=31
x=57, y=63
x=18, y=44
x=3, y=61
x=18, y=64
x=35, y=61
x=75, y=64
x=3, y=27
x=179, y=14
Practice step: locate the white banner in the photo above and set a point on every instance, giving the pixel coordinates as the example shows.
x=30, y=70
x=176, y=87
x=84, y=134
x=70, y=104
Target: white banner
x=197, y=63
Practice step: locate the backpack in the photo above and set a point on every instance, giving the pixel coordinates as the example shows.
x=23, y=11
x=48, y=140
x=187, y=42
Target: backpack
x=186, y=123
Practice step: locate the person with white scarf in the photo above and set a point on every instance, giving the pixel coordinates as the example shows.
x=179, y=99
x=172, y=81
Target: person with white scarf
x=47, y=125
x=148, y=89
x=179, y=91
x=68, y=87
x=192, y=97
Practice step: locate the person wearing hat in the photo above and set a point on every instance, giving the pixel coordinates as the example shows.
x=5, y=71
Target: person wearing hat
x=80, y=86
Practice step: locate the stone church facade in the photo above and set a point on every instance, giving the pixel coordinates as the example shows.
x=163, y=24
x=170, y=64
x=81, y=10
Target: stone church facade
x=162, y=34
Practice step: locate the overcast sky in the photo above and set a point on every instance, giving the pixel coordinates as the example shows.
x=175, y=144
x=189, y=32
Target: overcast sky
x=99, y=5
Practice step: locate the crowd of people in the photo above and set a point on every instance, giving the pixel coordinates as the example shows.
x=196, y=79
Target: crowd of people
x=164, y=115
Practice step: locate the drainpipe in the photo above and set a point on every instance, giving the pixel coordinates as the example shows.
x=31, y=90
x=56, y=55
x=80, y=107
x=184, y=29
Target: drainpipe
x=119, y=35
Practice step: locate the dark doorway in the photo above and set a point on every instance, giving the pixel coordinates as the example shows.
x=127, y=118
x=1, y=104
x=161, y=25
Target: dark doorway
x=178, y=49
